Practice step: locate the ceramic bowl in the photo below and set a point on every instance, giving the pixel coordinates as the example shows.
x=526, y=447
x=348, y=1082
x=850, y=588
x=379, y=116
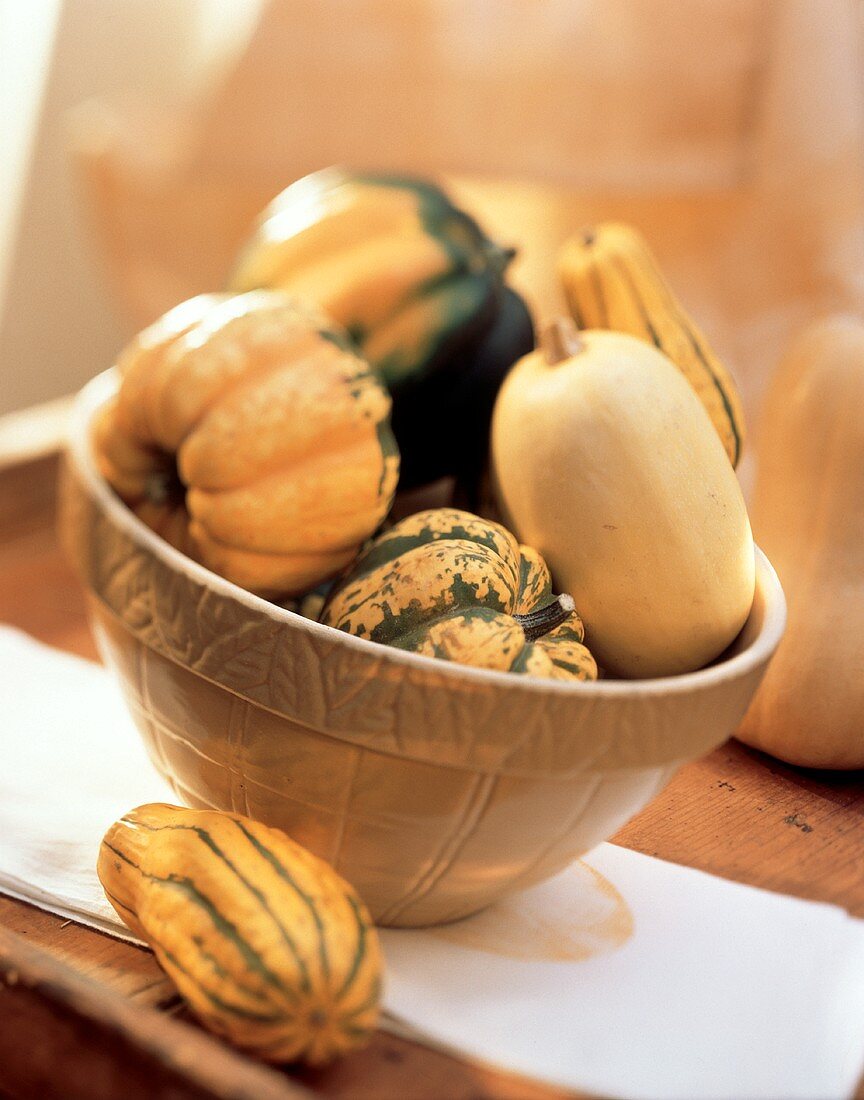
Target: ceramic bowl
x=434, y=788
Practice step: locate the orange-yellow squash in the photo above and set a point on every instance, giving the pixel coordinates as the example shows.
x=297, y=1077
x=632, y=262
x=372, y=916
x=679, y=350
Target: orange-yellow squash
x=606, y=462
x=270, y=948
x=279, y=436
x=808, y=516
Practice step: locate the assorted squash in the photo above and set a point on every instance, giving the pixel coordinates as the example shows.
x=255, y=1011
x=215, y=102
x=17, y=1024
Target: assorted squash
x=369, y=339
x=369, y=330
x=451, y=585
x=268, y=946
x=418, y=287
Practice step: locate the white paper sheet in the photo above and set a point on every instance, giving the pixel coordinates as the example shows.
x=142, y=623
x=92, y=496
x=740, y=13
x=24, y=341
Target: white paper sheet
x=625, y=975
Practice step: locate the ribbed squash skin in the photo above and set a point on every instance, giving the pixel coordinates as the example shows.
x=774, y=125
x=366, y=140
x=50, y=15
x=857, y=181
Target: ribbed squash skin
x=408, y=274
x=612, y=281
x=448, y=584
x=269, y=947
x=279, y=433
x=808, y=516
x=605, y=461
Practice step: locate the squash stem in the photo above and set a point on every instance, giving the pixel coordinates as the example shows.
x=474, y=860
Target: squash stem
x=542, y=620
x=560, y=341
x=499, y=258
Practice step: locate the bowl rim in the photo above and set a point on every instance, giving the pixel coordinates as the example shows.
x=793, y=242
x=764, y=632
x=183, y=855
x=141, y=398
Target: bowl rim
x=103, y=386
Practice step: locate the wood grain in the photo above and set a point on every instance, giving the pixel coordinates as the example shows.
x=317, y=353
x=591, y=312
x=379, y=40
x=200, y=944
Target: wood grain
x=745, y=816
x=69, y=1037
x=735, y=813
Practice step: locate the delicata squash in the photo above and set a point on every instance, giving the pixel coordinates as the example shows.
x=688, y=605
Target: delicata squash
x=612, y=281
x=269, y=947
x=254, y=407
x=448, y=584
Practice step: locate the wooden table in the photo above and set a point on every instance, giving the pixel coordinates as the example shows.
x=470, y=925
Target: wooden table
x=84, y=1015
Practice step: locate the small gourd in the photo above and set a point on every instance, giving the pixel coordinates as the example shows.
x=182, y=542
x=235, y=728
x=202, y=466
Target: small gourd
x=808, y=516
x=612, y=281
x=268, y=946
x=451, y=585
x=277, y=436
x=417, y=285
x=604, y=459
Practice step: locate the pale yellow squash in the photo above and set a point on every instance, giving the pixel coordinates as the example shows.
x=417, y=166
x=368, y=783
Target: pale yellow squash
x=605, y=460
x=808, y=515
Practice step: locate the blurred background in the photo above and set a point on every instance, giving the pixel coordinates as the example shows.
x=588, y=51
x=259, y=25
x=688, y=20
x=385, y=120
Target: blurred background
x=142, y=137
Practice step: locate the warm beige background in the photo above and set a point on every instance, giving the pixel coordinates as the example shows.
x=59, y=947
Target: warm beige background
x=56, y=316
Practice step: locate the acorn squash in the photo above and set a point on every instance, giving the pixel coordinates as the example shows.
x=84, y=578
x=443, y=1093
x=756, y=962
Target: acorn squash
x=416, y=284
x=450, y=585
x=808, y=515
x=275, y=431
x=612, y=281
x=604, y=459
x=461, y=395
x=268, y=946
x=392, y=260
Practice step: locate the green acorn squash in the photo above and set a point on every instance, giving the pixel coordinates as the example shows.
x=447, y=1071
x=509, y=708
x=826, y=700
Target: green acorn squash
x=417, y=285
x=448, y=584
x=460, y=395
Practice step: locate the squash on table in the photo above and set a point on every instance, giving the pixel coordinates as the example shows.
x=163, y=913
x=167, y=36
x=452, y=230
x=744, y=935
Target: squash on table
x=604, y=459
x=417, y=285
x=808, y=516
x=451, y=585
x=612, y=281
x=270, y=948
x=277, y=434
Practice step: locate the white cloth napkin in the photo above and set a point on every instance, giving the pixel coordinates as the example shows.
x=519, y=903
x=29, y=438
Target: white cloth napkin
x=624, y=975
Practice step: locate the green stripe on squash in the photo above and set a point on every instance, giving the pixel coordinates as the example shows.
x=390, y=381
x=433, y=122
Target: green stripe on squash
x=451, y=585
x=268, y=945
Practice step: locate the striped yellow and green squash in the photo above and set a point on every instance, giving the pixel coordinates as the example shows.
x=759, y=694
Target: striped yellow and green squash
x=392, y=260
x=255, y=411
x=612, y=281
x=269, y=947
x=448, y=584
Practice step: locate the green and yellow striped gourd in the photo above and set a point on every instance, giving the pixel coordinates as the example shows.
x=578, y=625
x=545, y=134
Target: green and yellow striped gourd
x=448, y=584
x=269, y=947
x=612, y=281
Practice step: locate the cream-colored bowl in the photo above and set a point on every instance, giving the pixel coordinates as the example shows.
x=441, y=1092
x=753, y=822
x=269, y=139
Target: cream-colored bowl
x=434, y=788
